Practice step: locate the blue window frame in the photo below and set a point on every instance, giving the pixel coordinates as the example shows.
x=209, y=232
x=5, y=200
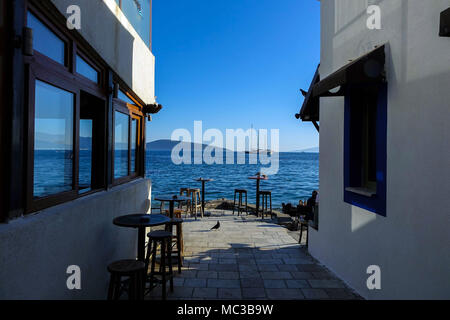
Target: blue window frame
x=365, y=147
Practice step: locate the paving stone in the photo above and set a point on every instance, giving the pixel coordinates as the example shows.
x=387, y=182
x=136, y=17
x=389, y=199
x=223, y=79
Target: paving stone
x=249, y=275
x=248, y=267
x=299, y=275
x=267, y=267
x=222, y=283
x=188, y=274
x=297, y=284
x=269, y=261
x=195, y=283
x=245, y=261
x=324, y=275
x=326, y=284
x=285, y=294
x=274, y=284
x=208, y=293
x=253, y=293
x=252, y=283
x=178, y=282
x=275, y=275
x=227, y=293
x=309, y=268
x=287, y=267
x=315, y=294
x=223, y=267
x=340, y=294
x=198, y=266
x=228, y=275
x=181, y=292
x=207, y=275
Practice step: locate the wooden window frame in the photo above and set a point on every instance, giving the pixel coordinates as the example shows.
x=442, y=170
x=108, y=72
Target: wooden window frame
x=133, y=112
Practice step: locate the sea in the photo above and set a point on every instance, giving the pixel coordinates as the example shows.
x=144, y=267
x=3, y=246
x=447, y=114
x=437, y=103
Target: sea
x=296, y=178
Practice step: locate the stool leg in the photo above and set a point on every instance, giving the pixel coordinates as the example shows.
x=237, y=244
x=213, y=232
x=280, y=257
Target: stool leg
x=117, y=287
x=163, y=268
x=270, y=205
x=153, y=258
x=234, y=202
x=246, y=204
x=169, y=249
x=111, y=287
x=179, y=247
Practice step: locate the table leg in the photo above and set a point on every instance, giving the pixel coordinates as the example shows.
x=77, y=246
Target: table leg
x=171, y=209
x=203, y=198
x=141, y=244
x=257, y=198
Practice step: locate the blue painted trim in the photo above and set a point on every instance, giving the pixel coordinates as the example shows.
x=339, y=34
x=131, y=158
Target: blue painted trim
x=376, y=203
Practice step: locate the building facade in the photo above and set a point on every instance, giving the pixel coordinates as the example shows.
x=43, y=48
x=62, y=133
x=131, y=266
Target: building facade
x=384, y=147
x=77, y=88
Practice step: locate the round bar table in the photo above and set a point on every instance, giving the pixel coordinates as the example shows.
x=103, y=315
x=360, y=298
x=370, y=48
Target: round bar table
x=203, y=181
x=141, y=221
x=258, y=178
x=171, y=199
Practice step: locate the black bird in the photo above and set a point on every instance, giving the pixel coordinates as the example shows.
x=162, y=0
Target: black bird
x=217, y=226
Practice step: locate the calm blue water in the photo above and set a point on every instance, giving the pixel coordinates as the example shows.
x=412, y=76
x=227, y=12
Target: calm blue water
x=297, y=177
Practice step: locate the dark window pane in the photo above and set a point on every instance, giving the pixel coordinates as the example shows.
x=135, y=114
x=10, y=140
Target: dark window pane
x=122, y=96
x=45, y=41
x=85, y=170
x=121, y=145
x=86, y=70
x=53, y=144
x=138, y=13
x=133, y=144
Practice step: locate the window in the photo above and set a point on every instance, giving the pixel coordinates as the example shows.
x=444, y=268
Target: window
x=92, y=143
x=121, y=131
x=86, y=70
x=45, y=41
x=68, y=155
x=53, y=145
x=134, y=143
x=127, y=138
x=365, y=147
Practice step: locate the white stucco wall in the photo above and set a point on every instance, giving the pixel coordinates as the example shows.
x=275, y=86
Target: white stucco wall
x=36, y=250
x=109, y=32
x=412, y=243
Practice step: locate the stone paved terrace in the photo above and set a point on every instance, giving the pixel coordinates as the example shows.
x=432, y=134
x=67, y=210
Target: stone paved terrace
x=249, y=259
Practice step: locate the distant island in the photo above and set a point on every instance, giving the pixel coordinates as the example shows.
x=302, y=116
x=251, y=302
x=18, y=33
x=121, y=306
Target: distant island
x=168, y=145
x=309, y=150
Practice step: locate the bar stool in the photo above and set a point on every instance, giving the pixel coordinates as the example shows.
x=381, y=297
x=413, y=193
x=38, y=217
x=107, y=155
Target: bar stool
x=240, y=192
x=196, y=202
x=134, y=285
x=164, y=238
x=265, y=196
x=187, y=193
x=177, y=240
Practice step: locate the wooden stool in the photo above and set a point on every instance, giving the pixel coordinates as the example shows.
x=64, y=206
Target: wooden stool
x=240, y=192
x=165, y=239
x=133, y=269
x=176, y=213
x=177, y=240
x=187, y=193
x=196, y=202
x=265, y=196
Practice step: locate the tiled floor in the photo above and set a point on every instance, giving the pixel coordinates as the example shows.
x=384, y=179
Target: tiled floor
x=248, y=258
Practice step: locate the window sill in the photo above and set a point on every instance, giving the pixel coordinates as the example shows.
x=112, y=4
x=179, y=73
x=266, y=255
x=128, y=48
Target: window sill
x=361, y=191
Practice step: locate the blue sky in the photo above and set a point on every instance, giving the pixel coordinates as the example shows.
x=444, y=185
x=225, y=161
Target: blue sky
x=235, y=63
